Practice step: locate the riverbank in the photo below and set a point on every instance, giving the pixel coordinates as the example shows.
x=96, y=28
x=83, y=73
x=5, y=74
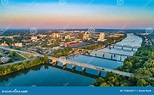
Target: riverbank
x=142, y=69
x=4, y=70
x=147, y=39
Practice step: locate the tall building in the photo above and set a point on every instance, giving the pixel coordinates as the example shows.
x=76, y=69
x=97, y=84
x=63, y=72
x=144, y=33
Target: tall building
x=86, y=36
x=55, y=35
x=67, y=37
x=101, y=37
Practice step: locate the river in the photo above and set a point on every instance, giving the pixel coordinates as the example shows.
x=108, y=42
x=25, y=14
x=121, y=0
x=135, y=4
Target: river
x=46, y=75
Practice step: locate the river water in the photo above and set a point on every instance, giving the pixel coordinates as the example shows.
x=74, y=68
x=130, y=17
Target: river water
x=46, y=75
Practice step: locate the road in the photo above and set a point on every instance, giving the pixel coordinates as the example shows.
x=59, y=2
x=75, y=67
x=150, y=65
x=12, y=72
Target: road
x=17, y=62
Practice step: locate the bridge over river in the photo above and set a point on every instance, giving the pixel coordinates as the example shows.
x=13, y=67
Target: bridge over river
x=123, y=46
x=74, y=63
x=96, y=52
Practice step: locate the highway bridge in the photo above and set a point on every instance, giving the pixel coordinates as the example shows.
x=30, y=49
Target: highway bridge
x=96, y=52
x=74, y=63
x=123, y=46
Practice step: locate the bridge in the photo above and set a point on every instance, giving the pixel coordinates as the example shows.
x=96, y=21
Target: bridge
x=85, y=65
x=123, y=46
x=103, y=54
x=74, y=64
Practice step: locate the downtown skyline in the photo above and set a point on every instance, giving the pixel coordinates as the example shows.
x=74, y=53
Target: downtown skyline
x=77, y=14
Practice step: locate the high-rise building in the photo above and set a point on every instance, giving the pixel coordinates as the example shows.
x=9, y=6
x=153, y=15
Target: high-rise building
x=86, y=36
x=101, y=37
x=55, y=35
x=67, y=37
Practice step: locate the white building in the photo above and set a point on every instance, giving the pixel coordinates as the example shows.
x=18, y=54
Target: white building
x=101, y=37
x=34, y=38
x=17, y=44
x=67, y=37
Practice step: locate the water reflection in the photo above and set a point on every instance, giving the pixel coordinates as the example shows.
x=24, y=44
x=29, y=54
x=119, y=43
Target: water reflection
x=46, y=75
x=19, y=73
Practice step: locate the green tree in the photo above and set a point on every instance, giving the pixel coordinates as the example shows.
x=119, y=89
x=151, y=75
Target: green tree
x=128, y=64
x=141, y=82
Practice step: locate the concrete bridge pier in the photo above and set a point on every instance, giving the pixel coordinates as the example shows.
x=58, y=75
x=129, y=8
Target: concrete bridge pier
x=114, y=55
x=88, y=52
x=54, y=62
x=111, y=56
x=120, y=58
x=73, y=67
x=64, y=65
x=122, y=47
x=83, y=70
x=126, y=56
x=132, y=48
x=113, y=46
x=110, y=47
x=103, y=55
x=99, y=73
x=95, y=53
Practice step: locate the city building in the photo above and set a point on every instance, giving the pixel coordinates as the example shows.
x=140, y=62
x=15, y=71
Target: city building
x=17, y=44
x=55, y=35
x=34, y=38
x=115, y=35
x=42, y=36
x=67, y=37
x=4, y=44
x=80, y=36
x=86, y=36
x=101, y=37
x=10, y=37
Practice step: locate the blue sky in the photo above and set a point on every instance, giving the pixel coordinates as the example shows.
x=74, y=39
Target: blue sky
x=132, y=3
x=77, y=14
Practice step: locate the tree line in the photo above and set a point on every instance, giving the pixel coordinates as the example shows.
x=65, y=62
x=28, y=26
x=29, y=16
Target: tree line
x=23, y=65
x=142, y=68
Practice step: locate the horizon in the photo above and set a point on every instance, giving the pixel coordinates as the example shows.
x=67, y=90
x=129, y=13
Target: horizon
x=77, y=14
x=1, y=29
